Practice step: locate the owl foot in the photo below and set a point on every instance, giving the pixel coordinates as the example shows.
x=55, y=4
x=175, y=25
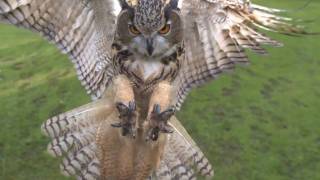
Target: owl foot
x=128, y=118
x=159, y=122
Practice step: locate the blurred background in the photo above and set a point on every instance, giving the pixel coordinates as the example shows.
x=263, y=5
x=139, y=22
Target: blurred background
x=260, y=122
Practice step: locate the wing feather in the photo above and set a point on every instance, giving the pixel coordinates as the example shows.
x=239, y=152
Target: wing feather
x=217, y=34
x=80, y=28
x=182, y=158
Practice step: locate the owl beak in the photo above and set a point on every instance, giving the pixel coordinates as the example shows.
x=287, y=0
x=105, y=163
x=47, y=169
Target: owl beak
x=150, y=46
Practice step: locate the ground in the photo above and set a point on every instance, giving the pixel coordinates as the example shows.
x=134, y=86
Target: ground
x=260, y=122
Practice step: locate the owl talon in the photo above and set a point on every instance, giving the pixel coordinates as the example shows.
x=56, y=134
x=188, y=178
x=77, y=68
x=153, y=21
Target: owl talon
x=159, y=122
x=128, y=118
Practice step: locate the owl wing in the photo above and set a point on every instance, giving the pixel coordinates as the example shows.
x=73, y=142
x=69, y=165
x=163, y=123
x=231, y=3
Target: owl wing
x=82, y=29
x=75, y=138
x=217, y=34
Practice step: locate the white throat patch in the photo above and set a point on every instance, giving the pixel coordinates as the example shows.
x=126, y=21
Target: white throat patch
x=147, y=69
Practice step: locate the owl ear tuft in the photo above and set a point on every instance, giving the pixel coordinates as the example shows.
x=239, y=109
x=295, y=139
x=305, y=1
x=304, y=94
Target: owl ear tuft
x=124, y=4
x=172, y=5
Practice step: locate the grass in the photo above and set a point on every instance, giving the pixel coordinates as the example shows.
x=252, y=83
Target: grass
x=260, y=122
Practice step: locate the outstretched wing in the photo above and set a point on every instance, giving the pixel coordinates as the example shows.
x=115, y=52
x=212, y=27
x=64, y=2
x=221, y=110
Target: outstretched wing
x=217, y=32
x=83, y=29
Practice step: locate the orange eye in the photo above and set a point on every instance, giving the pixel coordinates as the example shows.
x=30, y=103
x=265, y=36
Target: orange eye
x=134, y=30
x=166, y=28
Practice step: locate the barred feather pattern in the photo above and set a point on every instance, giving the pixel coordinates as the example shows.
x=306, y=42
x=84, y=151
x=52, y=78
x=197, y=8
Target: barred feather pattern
x=177, y=169
x=75, y=163
x=74, y=135
x=187, y=151
x=77, y=120
x=218, y=32
x=182, y=159
x=72, y=26
x=162, y=173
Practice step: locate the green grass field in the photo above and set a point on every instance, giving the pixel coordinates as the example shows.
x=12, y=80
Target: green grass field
x=260, y=122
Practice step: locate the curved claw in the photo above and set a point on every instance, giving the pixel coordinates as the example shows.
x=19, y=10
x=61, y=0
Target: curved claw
x=167, y=129
x=125, y=110
x=157, y=115
x=116, y=125
x=159, y=122
x=153, y=134
x=128, y=116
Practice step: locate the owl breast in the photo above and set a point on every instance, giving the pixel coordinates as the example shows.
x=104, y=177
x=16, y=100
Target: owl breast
x=147, y=72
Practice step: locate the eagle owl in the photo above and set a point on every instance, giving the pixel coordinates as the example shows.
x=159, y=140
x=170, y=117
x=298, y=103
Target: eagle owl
x=138, y=59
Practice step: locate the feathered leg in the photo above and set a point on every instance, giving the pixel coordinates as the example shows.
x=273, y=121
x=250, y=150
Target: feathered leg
x=124, y=99
x=160, y=111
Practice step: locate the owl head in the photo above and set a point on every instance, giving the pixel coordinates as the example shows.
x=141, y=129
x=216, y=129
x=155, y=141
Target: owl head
x=150, y=28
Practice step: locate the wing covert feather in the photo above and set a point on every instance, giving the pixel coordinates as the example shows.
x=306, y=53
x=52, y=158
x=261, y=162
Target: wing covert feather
x=78, y=27
x=217, y=34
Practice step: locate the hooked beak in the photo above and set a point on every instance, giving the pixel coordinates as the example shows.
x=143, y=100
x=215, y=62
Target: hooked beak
x=150, y=46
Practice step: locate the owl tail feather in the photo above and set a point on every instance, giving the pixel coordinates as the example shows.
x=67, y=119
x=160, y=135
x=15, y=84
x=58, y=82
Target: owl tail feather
x=74, y=138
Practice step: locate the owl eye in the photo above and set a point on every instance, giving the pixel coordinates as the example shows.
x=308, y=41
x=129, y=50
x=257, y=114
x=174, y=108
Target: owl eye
x=166, y=28
x=134, y=30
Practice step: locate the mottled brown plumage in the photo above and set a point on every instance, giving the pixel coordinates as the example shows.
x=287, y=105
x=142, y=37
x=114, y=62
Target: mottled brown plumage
x=93, y=149
x=138, y=65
